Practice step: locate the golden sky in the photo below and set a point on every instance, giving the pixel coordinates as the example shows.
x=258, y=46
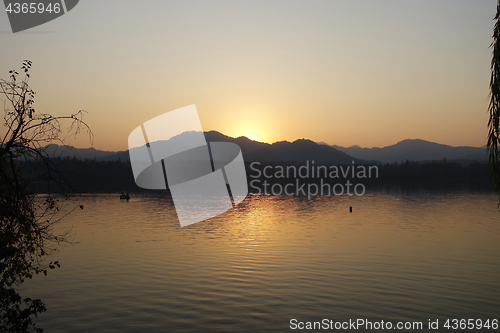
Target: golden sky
x=345, y=72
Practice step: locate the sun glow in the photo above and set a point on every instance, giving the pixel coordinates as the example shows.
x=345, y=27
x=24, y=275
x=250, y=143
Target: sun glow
x=251, y=136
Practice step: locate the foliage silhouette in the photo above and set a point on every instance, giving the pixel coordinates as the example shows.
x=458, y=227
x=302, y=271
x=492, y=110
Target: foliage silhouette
x=27, y=220
x=494, y=108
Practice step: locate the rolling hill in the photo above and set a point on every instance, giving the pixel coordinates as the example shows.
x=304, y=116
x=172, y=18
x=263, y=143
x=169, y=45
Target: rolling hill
x=301, y=150
x=415, y=150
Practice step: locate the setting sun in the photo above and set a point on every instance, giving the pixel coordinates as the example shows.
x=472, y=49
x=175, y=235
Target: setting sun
x=252, y=136
x=248, y=166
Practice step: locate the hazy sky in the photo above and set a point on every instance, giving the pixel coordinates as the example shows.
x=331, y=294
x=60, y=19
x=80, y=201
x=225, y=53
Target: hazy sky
x=344, y=72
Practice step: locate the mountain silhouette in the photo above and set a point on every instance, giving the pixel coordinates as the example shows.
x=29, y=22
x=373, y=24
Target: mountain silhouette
x=298, y=151
x=247, y=146
x=415, y=150
x=54, y=150
x=301, y=150
x=243, y=142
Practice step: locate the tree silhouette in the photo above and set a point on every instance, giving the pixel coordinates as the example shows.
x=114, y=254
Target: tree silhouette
x=494, y=108
x=26, y=221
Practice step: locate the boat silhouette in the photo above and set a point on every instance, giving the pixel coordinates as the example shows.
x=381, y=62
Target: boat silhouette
x=124, y=196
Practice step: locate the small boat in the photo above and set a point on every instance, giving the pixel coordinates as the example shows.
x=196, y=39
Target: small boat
x=124, y=196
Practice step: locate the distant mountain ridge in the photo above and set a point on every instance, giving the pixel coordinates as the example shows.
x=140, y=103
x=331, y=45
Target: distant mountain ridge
x=415, y=150
x=54, y=150
x=301, y=150
x=298, y=151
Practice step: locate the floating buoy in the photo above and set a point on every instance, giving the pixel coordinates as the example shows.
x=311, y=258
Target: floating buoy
x=350, y=209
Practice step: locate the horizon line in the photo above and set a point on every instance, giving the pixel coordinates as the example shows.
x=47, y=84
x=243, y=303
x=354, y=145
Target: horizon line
x=243, y=136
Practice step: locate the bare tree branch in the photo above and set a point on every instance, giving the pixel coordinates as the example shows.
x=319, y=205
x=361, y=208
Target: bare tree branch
x=26, y=220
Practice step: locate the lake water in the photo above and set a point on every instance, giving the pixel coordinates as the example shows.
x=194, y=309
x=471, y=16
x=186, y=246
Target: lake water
x=399, y=256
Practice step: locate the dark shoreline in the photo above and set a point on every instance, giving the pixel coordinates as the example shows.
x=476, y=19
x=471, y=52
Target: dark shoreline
x=91, y=176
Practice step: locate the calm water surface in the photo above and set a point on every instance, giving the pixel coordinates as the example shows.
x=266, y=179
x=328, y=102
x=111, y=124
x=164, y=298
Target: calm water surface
x=397, y=257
